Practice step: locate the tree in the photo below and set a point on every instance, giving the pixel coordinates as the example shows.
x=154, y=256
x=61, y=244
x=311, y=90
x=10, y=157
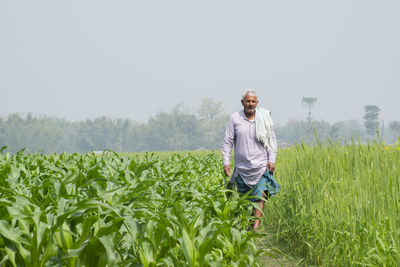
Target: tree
x=212, y=122
x=308, y=102
x=176, y=130
x=395, y=127
x=95, y=134
x=209, y=109
x=371, y=121
x=292, y=132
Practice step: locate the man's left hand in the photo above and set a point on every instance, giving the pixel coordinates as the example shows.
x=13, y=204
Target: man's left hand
x=271, y=167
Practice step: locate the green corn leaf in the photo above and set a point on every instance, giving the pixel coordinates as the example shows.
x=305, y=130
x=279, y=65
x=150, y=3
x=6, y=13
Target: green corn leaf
x=11, y=256
x=108, y=242
x=50, y=251
x=7, y=232
x=188, y=249
x=63, y=238
x=109, y=228
x=72, y=253
x=146, y=254
x=196, y=222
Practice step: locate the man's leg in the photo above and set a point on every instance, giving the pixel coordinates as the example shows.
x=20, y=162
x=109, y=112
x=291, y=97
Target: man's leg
x=258, y=214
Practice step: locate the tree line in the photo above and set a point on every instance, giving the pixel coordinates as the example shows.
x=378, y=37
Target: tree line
x=176, y=129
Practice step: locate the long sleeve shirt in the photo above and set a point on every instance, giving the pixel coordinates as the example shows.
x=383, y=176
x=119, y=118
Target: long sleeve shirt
x=251, y=157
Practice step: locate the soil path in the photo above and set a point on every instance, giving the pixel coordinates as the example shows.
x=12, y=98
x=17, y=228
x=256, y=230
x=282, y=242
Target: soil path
x=281, y=254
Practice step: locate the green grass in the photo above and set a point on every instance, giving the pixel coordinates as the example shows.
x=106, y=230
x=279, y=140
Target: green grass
x=339, y=205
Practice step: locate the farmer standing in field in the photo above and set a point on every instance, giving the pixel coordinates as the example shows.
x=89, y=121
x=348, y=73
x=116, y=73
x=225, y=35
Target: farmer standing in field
x=250, y=132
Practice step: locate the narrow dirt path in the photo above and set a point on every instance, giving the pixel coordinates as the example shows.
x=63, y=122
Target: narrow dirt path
x=283, y=257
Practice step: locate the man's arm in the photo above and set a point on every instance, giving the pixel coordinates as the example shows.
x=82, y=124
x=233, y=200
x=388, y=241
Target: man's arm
x=272, y=154
x=227, y=146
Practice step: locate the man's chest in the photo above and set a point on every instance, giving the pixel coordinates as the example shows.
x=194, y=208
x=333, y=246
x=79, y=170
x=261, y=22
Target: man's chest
x=245, y=129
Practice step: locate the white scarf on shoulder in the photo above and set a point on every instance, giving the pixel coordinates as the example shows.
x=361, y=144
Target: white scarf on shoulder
x=264, y=127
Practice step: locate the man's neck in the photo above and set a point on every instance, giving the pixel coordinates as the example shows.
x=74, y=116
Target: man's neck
x=249, y=116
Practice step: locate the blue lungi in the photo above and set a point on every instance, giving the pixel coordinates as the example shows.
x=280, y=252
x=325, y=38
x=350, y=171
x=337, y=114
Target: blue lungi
x=267, y=185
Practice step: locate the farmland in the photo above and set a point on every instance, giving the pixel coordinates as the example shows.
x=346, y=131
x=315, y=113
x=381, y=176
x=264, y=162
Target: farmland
x=338, y=205
x=109, y=210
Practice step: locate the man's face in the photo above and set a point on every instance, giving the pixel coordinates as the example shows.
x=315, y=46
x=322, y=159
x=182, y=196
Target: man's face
x=249, y=104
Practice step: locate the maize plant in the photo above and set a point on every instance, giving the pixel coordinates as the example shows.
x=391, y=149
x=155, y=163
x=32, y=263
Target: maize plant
x=112, y=210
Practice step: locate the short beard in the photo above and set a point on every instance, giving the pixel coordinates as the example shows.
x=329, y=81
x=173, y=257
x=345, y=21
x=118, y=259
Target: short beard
x=249, y=112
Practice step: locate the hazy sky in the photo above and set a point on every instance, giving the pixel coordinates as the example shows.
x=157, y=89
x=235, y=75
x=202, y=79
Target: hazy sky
x=131, y=59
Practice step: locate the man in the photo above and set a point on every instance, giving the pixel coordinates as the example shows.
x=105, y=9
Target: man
x=255, y=152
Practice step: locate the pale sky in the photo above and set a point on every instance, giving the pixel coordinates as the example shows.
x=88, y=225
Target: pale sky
x=81, y=59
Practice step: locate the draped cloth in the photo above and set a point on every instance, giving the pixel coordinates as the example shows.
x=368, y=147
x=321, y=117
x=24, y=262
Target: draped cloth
x=264, y=129
x=266, y=184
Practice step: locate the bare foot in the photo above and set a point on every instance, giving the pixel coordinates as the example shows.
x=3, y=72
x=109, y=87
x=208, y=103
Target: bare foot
x=256, y=223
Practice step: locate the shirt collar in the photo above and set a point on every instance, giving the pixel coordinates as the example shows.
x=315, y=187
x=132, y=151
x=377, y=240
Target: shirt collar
x=241, y=113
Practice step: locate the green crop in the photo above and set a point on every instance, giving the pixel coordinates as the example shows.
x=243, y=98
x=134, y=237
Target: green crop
x=339, y=205
x=111, y=210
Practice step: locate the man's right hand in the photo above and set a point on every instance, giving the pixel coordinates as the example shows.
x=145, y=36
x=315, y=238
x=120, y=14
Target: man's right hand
x=227, y=170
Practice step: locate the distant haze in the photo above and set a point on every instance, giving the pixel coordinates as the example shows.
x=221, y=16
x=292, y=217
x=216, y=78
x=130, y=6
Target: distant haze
x=132, y=59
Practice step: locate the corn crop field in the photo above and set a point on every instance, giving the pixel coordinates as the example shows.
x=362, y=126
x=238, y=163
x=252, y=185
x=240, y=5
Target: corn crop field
x=338, y=206
x=109, y=210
